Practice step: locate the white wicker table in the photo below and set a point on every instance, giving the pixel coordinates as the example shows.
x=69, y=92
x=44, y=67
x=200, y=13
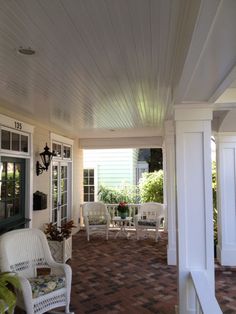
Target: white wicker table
x=122, y=224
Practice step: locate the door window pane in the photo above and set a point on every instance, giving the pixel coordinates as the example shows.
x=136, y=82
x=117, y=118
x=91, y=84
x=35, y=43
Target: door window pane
x=5, y=139
x=15, y=141
x=24, y=143
x=60, y=184
x=56, y=149
x=12, y=190
x=66, y=151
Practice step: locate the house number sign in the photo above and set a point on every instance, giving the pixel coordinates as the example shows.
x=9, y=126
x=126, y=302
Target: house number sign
x=18, y=125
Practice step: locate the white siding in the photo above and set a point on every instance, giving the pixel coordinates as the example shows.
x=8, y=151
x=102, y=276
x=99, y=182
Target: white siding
x=114, y=166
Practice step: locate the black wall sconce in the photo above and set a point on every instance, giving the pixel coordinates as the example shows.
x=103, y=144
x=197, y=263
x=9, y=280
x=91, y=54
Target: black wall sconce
x=46, y=157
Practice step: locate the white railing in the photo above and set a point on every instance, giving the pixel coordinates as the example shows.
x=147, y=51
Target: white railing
x=133, y=210
x=206, y=302
x=112, y=208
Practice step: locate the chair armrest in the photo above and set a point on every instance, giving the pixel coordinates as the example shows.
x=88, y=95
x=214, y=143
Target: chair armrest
x=59, y=268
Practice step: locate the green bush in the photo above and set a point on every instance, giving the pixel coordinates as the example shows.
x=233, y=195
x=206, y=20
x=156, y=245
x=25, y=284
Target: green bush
x=126, y=194
x=151, y=187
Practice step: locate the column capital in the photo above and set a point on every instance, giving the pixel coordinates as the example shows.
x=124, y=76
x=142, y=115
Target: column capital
x=193, y=112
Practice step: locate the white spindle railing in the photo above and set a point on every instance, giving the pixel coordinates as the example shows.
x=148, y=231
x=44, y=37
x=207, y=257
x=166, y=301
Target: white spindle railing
x=133, y=210
x=206, y=302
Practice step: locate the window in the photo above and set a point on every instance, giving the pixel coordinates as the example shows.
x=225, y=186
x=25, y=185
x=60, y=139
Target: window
x=89, y=187
x=61, y=150
x=14, y=141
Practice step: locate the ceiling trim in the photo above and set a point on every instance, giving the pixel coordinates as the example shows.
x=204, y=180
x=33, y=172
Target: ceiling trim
x=228, y=80
x=128, y=142
x=207, y=17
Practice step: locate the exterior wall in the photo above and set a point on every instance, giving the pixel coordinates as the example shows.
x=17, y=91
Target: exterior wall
x=114, y=167
x=40, y=183
x=40, y=137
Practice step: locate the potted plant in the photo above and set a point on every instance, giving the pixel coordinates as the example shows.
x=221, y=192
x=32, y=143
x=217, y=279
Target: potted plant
x=8, y=283
x=123, y=210
x=60, y=240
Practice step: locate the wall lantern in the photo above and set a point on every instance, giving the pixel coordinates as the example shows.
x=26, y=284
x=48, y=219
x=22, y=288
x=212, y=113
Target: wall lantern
x=46, y=157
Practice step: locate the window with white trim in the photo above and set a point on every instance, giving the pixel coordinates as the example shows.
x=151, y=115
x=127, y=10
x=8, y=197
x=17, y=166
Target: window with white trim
x=14, y=141
x=62, y=150
x=89, y=185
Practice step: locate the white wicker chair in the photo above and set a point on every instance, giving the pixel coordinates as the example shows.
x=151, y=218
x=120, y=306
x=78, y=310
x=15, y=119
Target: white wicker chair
x=25, y=251
x=148, y=218
x=96, y=218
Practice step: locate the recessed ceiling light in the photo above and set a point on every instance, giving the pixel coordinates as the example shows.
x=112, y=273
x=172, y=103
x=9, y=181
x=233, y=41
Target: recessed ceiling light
x=26, y=51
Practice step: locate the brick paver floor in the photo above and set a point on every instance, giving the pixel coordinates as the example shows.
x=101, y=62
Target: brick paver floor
x=132, y=277
x=129, y=276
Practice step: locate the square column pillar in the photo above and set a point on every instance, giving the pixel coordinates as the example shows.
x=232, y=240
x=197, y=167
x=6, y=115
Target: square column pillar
x=226, y=198
x=194, y=202
x=170, y=189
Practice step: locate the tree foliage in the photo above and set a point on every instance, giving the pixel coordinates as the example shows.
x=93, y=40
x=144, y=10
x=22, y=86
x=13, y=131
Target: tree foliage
x=215, y=212
x=126, y=194
x=151, y=187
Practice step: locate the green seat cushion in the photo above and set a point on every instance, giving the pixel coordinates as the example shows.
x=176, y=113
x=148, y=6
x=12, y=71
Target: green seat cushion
x=45, y=284
x=97, y=220
x=147, y=223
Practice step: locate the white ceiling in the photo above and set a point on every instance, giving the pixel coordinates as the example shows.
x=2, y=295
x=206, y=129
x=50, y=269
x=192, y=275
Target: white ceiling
x=114, y=68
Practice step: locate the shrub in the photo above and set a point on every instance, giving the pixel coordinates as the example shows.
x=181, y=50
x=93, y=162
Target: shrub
x=151, y=187
x=126, y=194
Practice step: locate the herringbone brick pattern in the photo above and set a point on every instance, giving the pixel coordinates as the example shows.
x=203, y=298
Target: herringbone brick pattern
x=122, y=276
x=128, y=276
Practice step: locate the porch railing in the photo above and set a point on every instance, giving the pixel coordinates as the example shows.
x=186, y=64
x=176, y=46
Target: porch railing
x=133, y=210
x=206, y=302
x=112, y=208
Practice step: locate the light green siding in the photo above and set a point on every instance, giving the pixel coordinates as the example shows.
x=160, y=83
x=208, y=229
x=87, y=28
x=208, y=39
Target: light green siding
x=114, y=167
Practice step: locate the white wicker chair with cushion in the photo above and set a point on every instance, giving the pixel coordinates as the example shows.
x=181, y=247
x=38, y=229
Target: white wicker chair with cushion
x=96, y=218
x=148, y=218
x=45, y=284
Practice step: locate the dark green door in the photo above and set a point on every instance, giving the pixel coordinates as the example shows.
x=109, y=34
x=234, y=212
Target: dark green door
x=12, y=193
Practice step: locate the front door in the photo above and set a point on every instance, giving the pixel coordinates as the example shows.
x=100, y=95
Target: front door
x=61, y=189
x=12, y=192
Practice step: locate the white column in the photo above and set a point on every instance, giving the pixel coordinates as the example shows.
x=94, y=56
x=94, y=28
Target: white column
x=194, y=202
x=226, y=198
x=170, y=190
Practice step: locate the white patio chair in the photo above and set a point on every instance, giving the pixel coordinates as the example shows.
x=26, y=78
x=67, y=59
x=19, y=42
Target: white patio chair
x=26, y=252
x=96, y=218
x=148, y=218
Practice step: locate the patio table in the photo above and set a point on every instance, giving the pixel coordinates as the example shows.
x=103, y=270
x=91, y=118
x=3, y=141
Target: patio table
x=122, y=224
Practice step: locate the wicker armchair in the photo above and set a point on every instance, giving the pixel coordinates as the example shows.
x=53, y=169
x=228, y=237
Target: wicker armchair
x=148, y=218
x=45, y=284
x=96, y=218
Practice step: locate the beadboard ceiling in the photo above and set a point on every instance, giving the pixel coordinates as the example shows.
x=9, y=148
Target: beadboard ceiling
x=107, y=68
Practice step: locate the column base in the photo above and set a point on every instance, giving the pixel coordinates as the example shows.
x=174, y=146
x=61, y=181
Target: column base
x=171, y=257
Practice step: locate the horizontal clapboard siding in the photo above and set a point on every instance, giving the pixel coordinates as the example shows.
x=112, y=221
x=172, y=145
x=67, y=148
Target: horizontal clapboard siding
x=114, y=167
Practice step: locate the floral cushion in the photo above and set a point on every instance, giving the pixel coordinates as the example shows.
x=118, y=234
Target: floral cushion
x=97, y=220
x=44, y=284
x=147, y=223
